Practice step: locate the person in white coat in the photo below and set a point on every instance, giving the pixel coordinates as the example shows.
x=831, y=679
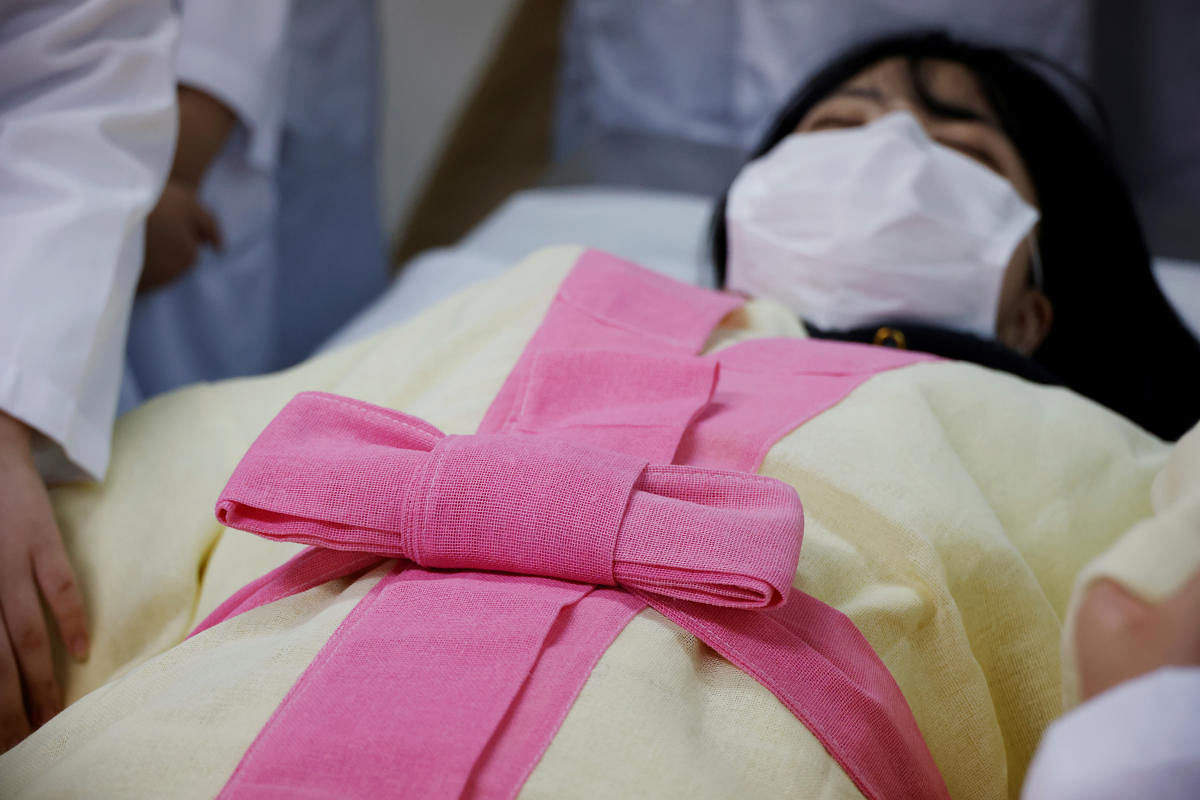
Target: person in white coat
x=87, y=122
x=267, y=235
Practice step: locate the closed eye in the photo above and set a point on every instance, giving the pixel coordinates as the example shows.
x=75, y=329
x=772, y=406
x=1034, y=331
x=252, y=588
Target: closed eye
x=830, y=123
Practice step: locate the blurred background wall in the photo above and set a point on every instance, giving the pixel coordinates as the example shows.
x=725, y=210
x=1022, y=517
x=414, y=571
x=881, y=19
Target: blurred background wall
x=485, y=97
x=434, y=54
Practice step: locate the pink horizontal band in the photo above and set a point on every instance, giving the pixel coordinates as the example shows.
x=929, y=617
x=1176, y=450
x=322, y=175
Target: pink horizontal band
x=519, y=504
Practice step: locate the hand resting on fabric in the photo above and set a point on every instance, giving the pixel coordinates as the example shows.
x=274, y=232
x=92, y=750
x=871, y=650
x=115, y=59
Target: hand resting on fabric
x=32, y=562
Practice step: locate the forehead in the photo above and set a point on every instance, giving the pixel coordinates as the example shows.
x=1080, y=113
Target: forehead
x=946, y=81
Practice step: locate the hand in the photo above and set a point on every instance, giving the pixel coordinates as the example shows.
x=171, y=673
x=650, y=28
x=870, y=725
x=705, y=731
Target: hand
x=1119, y=636
x=176, y=228
x=32, y=561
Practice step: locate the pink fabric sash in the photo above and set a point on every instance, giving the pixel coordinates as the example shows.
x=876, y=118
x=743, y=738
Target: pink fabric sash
x=519, y=504
x=480, y=668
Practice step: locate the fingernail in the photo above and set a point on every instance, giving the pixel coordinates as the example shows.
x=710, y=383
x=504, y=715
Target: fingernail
x=79, y=648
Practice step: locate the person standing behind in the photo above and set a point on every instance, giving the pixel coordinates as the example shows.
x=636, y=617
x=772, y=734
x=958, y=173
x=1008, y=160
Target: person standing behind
x=266, y=237
x=87, y=120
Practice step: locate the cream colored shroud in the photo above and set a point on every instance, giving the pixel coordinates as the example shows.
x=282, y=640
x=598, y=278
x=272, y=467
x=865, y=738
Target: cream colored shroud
x=948, y=511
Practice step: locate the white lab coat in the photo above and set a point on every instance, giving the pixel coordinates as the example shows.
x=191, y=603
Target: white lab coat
x=87, y=124
x=1138, y=739
x=716, y=71
x=293, y=190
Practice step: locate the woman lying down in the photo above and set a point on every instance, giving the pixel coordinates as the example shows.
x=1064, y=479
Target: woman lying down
x=583, y=531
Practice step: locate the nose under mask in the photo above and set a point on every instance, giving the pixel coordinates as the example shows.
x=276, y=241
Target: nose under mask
x=879, y=223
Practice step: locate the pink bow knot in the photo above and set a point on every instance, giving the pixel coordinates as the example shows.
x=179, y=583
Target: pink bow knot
x=345, y=475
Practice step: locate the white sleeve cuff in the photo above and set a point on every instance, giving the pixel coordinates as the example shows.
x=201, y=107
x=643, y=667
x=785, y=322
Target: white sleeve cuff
x=71, y=445
x=237, y=52
x=1138, y=739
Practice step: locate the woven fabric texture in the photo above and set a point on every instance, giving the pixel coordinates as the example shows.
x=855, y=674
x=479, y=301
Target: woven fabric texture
x=324, y=473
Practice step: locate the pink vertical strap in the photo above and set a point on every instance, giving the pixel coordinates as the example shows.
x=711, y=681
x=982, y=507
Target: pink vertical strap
x=810, y=655
x=417, y=677
x=566, y=662
x=606, y=303
x=632, y=403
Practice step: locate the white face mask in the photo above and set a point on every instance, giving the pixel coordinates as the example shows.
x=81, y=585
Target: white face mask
x=874, y=224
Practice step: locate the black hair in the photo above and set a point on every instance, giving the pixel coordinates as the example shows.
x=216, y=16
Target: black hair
x=1114, y=336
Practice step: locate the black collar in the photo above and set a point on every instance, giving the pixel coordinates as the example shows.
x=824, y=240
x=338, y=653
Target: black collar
x=946, y=343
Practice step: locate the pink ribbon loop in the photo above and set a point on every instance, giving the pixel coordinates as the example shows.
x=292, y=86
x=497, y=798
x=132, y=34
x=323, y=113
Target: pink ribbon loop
x=710, y=536
x=522, y=504
x=349, y=476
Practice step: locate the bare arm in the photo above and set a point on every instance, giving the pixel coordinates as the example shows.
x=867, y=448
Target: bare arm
x=179, y=224
x=204, y=125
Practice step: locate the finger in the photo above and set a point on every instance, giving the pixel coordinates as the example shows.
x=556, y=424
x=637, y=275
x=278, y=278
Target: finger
x=31, y=644
x=207, y=228
x=1113, y=637
x=61, y=591
x=13, y=725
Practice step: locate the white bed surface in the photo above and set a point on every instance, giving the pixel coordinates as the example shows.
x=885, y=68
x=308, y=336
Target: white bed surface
x=659, y=230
